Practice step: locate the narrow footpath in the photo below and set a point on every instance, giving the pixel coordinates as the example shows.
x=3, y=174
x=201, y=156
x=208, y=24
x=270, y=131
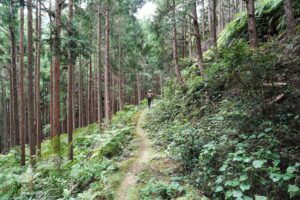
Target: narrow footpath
x=144, y=156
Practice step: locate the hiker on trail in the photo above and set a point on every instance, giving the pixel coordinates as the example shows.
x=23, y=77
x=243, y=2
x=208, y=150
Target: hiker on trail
x=149, y=97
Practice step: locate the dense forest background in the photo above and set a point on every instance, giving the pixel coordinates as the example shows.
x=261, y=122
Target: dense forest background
x=225, y=73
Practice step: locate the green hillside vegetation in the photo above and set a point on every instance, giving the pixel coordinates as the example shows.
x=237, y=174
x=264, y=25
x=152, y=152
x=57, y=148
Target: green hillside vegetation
x=98, y=156
x=236, y=132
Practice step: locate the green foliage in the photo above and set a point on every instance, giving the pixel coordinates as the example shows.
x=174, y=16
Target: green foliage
x=162, y=190
x=95, y=157
x=232, y=142
x=270, y=17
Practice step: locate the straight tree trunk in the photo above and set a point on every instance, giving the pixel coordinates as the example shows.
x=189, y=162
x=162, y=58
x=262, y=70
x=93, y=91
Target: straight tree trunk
x=190, y=45
x=90, y=114
x=51, y=75
x=203, y=19
x=175, y=54
x=121, y=96
x=37, y=80
x=56, y=81
x=98, y=66
x=252, y=24
x=139, y=89
x=214, y=23
x=198, y=40
x=290, y=20
x=14, y=99
x=21, y=90
x=80, y=95
x=30, y=88
x=107, y=68
x=70, y=85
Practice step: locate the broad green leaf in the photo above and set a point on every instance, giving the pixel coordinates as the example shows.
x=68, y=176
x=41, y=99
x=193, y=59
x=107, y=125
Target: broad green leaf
x=243, y=177
x=293, y=190
x=258, y=163
x=232, y=183
x=258, y=197
x=247, y=198
x=237, y=193
x=291, y=169
x=219, y=189
x=275, y=177
x=268, y=130
x=228, y=194
x=245, y=186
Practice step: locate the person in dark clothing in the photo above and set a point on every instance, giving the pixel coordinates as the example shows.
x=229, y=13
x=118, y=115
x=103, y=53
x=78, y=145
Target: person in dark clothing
x=149, y=97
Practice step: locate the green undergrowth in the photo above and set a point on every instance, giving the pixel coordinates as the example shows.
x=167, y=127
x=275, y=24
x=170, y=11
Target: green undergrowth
x=98, y=155
x=270, y=18
x=160, y=179
x=235, y=133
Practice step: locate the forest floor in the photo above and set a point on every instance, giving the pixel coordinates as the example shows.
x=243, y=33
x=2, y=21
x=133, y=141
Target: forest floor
x=144, y=156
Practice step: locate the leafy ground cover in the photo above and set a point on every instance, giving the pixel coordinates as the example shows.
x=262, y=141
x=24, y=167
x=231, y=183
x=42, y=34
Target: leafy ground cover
x=235, y=132
x=95, y=172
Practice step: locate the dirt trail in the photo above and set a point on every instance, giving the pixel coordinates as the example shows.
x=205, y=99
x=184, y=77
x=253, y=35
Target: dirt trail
x=143, y=157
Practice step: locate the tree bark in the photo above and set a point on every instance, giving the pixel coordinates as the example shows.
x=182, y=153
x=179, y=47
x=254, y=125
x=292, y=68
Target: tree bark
x=214, y=23
x=290, y=20
x=30, y=88
x=21, y=90
x=70, y=85
x=80, y=106
x=14, y=99
x=198, y=40
x=56, y=80
x=175, y=54
x=252, y=24
x=98, y=67
x=37, y=80
x=107, y=68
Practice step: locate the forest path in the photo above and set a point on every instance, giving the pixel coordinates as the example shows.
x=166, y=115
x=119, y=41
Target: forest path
x=143, y=157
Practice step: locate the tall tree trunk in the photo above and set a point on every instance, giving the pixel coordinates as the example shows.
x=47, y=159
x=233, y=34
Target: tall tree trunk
x=107, y=67
x=112, y=93
x=70, y=85
x=56, y=81
x=80, y=106
x=14, y=99
x=51, y=74
x=121, y=97
x=139, y=88
x=290, y=20
x=203, y=19
x=214, y=22
x=21, y=90
x=30, y=88
x=175, y=54
x=98, y=67
x=37, y=79
x=198, y=39
x=90, y=93
x=252, y=24
x=190, y=45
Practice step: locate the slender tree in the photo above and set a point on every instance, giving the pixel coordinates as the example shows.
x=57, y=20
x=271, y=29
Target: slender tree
x=198, y=39
x=107, y=67
x=30, y=88
x=175, y=54
x=252, y=23
x=14, y=136
x=21, y=90
x=290, y=20
x=37, y=109
x=70, y=85
x=56, y=80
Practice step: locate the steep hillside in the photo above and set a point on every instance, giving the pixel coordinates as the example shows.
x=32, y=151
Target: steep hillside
x=235, y=132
